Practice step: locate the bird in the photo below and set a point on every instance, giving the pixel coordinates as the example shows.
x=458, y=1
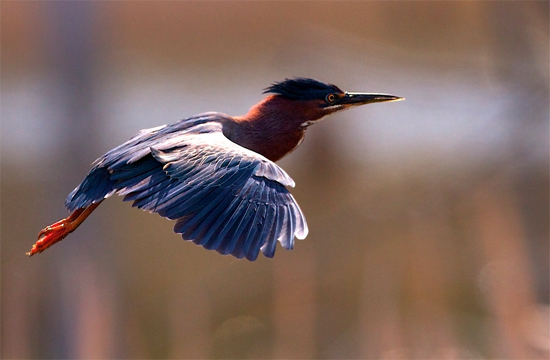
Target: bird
x=215, y=175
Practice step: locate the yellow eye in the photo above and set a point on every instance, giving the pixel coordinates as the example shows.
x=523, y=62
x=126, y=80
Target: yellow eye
x=330, y=98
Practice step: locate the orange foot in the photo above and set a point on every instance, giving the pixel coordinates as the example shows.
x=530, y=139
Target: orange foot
x=59, y=230
x=51, y=234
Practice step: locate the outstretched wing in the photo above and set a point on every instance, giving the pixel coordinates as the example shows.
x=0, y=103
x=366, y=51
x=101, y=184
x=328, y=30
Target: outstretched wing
x=223, y=197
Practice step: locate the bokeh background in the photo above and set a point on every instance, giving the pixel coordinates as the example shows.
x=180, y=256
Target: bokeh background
x=429, y=218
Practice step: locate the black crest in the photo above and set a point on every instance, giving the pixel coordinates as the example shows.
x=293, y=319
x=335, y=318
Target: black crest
x=302, y=89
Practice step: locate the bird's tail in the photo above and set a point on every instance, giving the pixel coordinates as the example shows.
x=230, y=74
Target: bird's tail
x=94, y=188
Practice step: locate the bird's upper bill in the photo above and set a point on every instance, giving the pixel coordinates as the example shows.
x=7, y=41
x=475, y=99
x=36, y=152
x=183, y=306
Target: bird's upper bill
x=357, y=98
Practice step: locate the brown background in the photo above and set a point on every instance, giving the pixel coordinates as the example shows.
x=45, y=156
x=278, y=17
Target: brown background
x=428, y=217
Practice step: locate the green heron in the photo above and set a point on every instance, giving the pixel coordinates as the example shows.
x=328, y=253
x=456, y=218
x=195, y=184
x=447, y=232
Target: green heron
x=216, y=174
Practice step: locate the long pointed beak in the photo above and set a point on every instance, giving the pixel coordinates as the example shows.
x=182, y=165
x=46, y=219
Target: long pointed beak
x=356, y=98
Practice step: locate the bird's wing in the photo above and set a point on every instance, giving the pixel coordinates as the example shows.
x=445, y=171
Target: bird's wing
x=222, y=196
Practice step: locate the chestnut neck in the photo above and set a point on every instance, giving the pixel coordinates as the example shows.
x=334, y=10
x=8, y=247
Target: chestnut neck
x=274, y=127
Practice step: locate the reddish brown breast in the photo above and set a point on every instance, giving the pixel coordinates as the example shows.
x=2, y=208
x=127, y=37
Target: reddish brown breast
x=272, y=128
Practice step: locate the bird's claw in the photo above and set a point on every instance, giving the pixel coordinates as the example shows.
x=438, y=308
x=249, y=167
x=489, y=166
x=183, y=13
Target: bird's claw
x=49, y=236
x=50, y=228
x=60, y=229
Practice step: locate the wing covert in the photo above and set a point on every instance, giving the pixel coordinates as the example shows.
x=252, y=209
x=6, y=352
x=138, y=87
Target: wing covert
x=223, y=197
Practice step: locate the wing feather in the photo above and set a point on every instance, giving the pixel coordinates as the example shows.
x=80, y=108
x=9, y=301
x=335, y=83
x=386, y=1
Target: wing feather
x=213, y=236
x=246, y=238
x=254, y=240
x=223, y=197
x=149, y=187
x=284, y=236
x=202, y=217
x=236, y=227
x=268, y=248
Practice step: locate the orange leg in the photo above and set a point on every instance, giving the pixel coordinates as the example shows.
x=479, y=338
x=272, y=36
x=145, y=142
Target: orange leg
x=60, y=229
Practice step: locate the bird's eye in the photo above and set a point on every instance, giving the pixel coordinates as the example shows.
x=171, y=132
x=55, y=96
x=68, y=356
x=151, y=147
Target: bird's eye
x=330, y=98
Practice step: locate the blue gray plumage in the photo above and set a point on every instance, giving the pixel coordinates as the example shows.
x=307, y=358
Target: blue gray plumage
x=242, y=208
x=214, y=174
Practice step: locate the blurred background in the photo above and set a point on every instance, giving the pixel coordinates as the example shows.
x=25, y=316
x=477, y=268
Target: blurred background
x=429, y=218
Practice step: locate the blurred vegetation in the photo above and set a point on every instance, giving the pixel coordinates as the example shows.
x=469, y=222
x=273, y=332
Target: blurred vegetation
x=417, y=248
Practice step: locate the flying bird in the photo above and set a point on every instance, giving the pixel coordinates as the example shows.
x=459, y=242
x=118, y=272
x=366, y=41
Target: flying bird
x=215, y=174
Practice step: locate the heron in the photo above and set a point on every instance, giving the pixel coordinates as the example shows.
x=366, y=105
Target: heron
x=215, y=175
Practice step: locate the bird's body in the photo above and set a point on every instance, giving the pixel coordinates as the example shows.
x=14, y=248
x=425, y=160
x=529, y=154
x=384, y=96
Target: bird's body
x=215, y=174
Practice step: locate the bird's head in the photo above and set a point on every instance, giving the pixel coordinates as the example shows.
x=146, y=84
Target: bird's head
x=276, y=125
x=316, y=99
